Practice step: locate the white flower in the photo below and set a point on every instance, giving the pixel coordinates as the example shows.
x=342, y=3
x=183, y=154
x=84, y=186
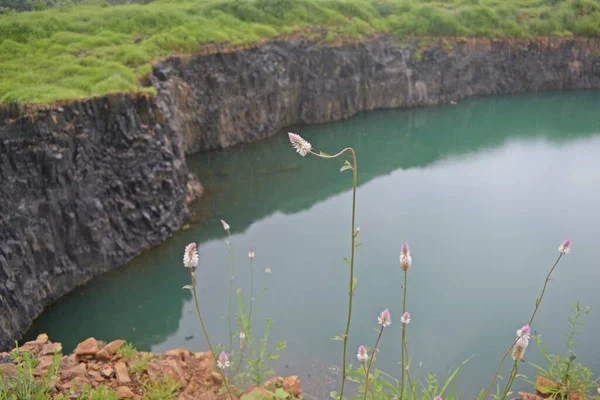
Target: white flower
x=385, y=318
x=521, y=343
x=405, y=258
x=251, y=254
x=565, y=247
x=190, y=256
x=268, y=270
x=223, y=360
x=362, y=355
x=225, y=225
x=302, y=146
x=405, y=318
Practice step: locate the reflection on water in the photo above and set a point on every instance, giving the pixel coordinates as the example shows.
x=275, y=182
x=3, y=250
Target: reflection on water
x=483, y=191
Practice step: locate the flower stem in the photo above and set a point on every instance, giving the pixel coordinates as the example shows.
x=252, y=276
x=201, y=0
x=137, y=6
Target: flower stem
x=251, y=292
x=371, y=362
x=412, y=389
x=538, y=301
x=352, y=252
x=403, y=344
x=230, y=294
x=513, y=375
x=212, y=351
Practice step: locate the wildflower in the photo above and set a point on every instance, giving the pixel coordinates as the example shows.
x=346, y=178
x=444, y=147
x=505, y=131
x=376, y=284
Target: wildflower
x=225, y=225
x=521, y=343
x=362, y=354
x=268, y=270
x=405, y=318
x=565, y=247
x=242, y=339
x=302, y=146
x=223, y=360
x=405, y=258
x=437, y=398
x=190, y=256
x=251, y=254
x=358, y=230
x=385, y=318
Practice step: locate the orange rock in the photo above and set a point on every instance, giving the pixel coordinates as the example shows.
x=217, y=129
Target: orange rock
x=123, y=392
x=291, y=384
x=8, y=369
x=113, y=346
x=529, y=396
x=51, y=348
x=179, y=353
x=103, y=355
x=107, y=372
x=75, y=372
x=89, y=347
x=168, y=367
x=216, y=377
x=122, y=374
x=545, y=386
x=44, y=363
x=576, y=396
x=42, y=338
x=95, y=376
x=32, y=347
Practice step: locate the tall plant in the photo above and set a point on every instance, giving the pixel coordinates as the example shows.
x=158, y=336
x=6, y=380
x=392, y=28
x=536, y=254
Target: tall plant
x=304, y=148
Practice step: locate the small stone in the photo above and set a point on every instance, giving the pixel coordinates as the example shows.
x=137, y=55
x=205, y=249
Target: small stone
x=51, y=348
x=107, y=372
x=42, y=338
x=123, y=392
x=8, y=369
x=291, y=384
x=113, y=346
x=216, y=377
x=32, y=347
x=88, y=347
x=169, y=367
x=180, y=353
x=44, y=363
x=544, y=386
x=529, y=396
x=75, y=372
x=122, y=374
x=103, y=355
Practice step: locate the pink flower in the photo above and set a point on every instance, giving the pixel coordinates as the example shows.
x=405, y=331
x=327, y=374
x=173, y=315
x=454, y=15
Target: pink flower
x=362, y=354
x=251, y=254
x=223, y=360
x=225, y=225
x=242, y=339
x=268, y=270
x=190, y=256
x=385, y=318
x=565, y=247
x=437, y=398
x=405, y=318
x=405, y=258
x=302, y=146
x=521, y=343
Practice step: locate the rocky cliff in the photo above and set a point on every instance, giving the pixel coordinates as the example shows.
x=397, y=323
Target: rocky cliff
x=88, y=185
x=84, y=188
x=225, y=98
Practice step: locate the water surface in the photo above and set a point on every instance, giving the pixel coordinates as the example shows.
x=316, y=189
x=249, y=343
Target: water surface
x=483, y=191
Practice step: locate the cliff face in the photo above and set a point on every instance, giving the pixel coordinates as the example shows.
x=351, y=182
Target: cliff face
x=84, y=188
x=87, y=186
x=222, y=99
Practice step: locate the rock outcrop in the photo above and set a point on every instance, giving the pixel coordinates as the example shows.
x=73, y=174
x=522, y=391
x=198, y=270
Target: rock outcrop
x=88, y=185
x=129, y=373
x=226, y=98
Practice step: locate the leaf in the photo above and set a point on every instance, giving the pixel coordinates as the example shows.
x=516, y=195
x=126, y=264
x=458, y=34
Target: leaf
x=324, y=154
x=334, y=395
x=347, y=260
x=337, y=337
x=354, y=282
x=346, y=166
x=190, y=287
x=281, y=394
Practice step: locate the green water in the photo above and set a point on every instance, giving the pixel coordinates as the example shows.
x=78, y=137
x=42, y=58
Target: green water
x=483, y=191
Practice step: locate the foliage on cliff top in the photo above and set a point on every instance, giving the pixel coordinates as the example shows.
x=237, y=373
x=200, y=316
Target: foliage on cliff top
x=73, y=51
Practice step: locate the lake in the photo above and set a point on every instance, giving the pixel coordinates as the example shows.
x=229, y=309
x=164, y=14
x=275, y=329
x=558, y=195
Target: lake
x=483, y=191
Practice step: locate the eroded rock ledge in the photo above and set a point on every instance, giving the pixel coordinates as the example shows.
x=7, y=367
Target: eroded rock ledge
x=87, y=185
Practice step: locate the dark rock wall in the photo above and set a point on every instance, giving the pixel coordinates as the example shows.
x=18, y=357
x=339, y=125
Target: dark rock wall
x=83, y=189
x=219, y=100
x=87, y=186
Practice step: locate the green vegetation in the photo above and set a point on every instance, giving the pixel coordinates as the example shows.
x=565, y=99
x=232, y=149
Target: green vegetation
x=161, y=389
x=78, y=50
x=128, y=351
x=23, y=384
x=140, y=363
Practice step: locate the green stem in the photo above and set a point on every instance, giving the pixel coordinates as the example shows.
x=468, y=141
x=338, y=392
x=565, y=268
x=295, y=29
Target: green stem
x=513, y=375
x=371, y=362
x=230, y=294
x=352, y=250
x=251, y=293
x=206, y=332
x=403, y=334
x=537, y=305
x=412, y=389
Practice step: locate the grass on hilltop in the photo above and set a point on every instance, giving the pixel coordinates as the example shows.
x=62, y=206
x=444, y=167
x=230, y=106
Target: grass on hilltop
x=75, y=51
